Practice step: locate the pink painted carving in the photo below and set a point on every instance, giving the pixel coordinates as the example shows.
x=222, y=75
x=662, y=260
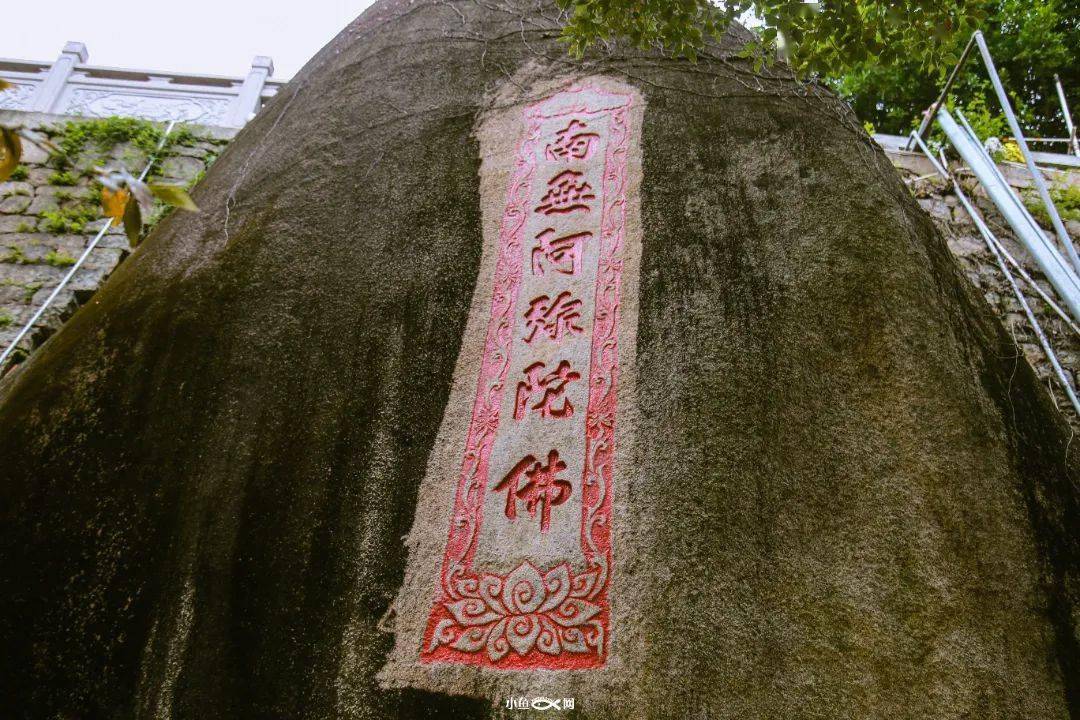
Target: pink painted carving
x=522, y=614
x=553, y=317
x=571, y=143
x=566, y=193
x=561, y=254
x=544, y=487
x=549, y=387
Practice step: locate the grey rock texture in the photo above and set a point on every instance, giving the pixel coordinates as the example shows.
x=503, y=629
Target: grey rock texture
x=850, y=498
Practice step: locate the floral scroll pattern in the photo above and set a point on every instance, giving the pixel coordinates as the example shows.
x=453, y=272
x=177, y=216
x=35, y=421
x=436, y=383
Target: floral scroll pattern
x=523, y=610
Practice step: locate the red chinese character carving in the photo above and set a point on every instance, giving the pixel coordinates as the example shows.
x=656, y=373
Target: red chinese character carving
x=562, y=253
x=566, y=194
x=544, y=488
x=571, y=144
x=551, y=387
x=554, y=317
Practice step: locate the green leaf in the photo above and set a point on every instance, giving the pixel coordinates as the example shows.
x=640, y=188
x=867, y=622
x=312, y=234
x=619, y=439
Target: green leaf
x=133, y=221
x=174, y=195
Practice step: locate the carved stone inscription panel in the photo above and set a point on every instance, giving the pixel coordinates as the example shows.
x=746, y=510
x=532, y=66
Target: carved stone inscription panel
x=527, y=567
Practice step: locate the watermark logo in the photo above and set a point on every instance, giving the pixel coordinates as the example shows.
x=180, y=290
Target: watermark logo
x=539, y=703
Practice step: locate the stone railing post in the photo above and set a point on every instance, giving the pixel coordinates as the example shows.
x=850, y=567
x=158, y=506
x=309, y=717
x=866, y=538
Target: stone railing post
x=52, y=87
x=247, y=101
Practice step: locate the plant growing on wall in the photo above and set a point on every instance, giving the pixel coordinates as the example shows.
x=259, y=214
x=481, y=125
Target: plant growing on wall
x=125, y=199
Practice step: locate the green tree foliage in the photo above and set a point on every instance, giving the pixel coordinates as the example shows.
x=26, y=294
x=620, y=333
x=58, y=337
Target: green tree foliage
x=827, y=38
x=1030, y=40
x=888, y=57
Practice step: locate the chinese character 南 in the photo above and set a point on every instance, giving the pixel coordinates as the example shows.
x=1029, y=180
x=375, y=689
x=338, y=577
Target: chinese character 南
x=551, y=387
x=567, y=192
x=554, y=318
x=563, y=254
x=544, y=487
x=572, y=144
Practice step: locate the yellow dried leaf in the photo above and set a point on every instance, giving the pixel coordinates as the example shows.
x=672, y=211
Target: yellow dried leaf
x=5, y=85
x=11, y=147
x=114, y=202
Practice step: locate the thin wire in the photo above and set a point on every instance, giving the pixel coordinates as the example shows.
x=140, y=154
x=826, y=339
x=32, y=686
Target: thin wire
x=993, y=243
x=82, y=258
x=944, y=168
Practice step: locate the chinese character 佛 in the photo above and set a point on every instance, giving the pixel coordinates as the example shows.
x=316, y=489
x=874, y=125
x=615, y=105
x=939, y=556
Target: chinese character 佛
x=572, y=144
x=551, y=387
x=566, y=194
x=544, y=489
x=554, y=318
x=563, y=254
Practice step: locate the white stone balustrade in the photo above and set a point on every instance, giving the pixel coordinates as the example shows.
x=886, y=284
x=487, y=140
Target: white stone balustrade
x=68, y=86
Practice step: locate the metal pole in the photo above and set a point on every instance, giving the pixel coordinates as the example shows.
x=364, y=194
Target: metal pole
x=1068, y=117
x=943, y=171
x=1018, y=135
x=992, y=243
x=1050, y=260
x=929, y=117
x=926, y=151
x=78, y=263
x=1035, y=286
x=1037, y=231
x=1017, y=203
x=56, y=291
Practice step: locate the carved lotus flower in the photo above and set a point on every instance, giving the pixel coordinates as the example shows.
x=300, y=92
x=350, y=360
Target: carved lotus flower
x=526, y=609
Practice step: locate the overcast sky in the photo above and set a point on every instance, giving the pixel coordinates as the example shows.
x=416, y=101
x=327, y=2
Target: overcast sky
x=217, y=37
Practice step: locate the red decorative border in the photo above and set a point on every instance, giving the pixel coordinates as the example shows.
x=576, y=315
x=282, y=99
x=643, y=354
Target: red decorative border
x=531, y=618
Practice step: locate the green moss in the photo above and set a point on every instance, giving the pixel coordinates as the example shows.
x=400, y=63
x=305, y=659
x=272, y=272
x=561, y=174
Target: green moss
x=106, y=133
x=5, y=319
x=56, y=258
x=29, y=289
x=1066, y=199
x=94, y=139
x=24, y=227
x=63, y=177
x=20, y=173
x=15, y=256
x=69, y=220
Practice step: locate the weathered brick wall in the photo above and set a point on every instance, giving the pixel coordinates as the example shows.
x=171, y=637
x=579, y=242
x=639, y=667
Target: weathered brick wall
x=50, y=212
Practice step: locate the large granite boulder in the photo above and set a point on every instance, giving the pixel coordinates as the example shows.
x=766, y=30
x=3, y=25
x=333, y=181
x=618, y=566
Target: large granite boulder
x=232, y=485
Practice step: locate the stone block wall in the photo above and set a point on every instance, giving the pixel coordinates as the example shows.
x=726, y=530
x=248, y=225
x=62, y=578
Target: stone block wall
x=50, y=211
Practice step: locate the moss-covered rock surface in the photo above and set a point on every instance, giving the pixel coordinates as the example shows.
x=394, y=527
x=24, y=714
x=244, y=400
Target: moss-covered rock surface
x=851, y=497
